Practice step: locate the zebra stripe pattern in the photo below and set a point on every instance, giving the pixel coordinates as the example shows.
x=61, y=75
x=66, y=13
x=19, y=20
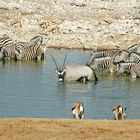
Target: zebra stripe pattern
x=103, y=63
x=135, y=71
x=36, y=40
x=122, y=56
x=102, y=53
x=134, y=57
x=134, y=48
x=124, y=67
x=7, y=48
x=31, y=52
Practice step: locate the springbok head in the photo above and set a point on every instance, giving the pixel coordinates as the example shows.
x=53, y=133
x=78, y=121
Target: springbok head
x=61, y=71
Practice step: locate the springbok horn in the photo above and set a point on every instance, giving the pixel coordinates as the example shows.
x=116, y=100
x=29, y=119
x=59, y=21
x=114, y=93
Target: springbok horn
x=54, y=62
x=64, y=60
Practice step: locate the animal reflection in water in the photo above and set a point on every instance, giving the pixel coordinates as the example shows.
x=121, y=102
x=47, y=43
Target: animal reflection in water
x=119, y=112
x=81, y=73
x=78, y=110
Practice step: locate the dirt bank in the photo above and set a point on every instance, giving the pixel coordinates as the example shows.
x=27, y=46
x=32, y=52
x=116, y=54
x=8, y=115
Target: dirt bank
x=68, y=129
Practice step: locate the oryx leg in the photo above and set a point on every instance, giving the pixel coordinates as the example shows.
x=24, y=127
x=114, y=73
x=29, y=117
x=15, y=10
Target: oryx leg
x=83, y=79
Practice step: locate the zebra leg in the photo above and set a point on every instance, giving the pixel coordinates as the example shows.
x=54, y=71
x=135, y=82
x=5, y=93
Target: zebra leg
x=18, y=56
x=38, y=58
x=42, y=56
x=134, y=75
x=5, y=55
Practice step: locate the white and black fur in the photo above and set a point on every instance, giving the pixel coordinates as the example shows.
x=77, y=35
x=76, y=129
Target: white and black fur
x=122, y=56
x=80, y=73
x=135, y=71
x=78, y=110
x=124, y=67
x=134, y=57
x=119, y=112
x=32, y=50
x=102, y=53
x=7, y=48
x=103, y=63
x=134, y=48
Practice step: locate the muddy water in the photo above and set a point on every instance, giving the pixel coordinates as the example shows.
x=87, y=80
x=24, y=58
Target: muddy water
x=31, y=89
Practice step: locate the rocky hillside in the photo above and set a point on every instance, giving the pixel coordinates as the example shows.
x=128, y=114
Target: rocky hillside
x=87, y=24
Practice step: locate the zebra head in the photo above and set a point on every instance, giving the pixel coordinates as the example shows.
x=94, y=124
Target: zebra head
x=122, y=56
x=37, y=40
x=61, y=71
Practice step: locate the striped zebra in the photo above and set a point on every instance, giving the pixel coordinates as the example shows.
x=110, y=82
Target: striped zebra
x=124, y=67
x=134, y=57
x=134, y=48
x=5, y=40
x=103, y=63
x=135, y=71
x=7, y=48
x=122, y=56
x=102, y=53
x=30, y=52
x=36, y=40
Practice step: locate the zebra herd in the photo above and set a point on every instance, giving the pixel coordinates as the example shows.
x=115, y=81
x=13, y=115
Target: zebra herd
x=116, y=60
x=16, y=50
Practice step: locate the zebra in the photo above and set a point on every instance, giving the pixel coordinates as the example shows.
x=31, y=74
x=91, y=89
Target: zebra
x=119, y=113
x=102, y=53
x=122, y=56
x=78, y=110
x=81, y=73
x=134, y=57
x=135, y=71
x=7, y=48
x=5, y=40
x=36, y=40
x=103, y=63
x=31, y=52
x=124, y=67
x=134, y=48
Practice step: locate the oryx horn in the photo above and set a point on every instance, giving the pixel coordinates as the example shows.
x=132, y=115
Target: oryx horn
x=64, y=60
x=54, y=62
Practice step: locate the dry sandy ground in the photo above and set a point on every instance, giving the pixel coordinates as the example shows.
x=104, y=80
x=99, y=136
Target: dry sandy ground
x=68, y=129
x=81, y=24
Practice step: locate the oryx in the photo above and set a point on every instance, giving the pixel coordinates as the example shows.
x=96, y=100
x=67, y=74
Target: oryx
x=80, y=73
x=78, y=110
x=119, y=112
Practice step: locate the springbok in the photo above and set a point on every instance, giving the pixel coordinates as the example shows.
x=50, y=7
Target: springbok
x=119, y=112
x=78, y=110
x=81, y=73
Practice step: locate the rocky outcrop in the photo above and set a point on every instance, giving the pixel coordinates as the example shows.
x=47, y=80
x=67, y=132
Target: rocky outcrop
x=86, y=24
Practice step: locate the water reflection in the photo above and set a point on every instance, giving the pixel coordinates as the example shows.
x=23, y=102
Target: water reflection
x=74, y=87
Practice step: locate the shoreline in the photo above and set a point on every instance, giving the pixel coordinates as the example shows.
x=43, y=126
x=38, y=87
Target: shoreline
x=68, y=129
